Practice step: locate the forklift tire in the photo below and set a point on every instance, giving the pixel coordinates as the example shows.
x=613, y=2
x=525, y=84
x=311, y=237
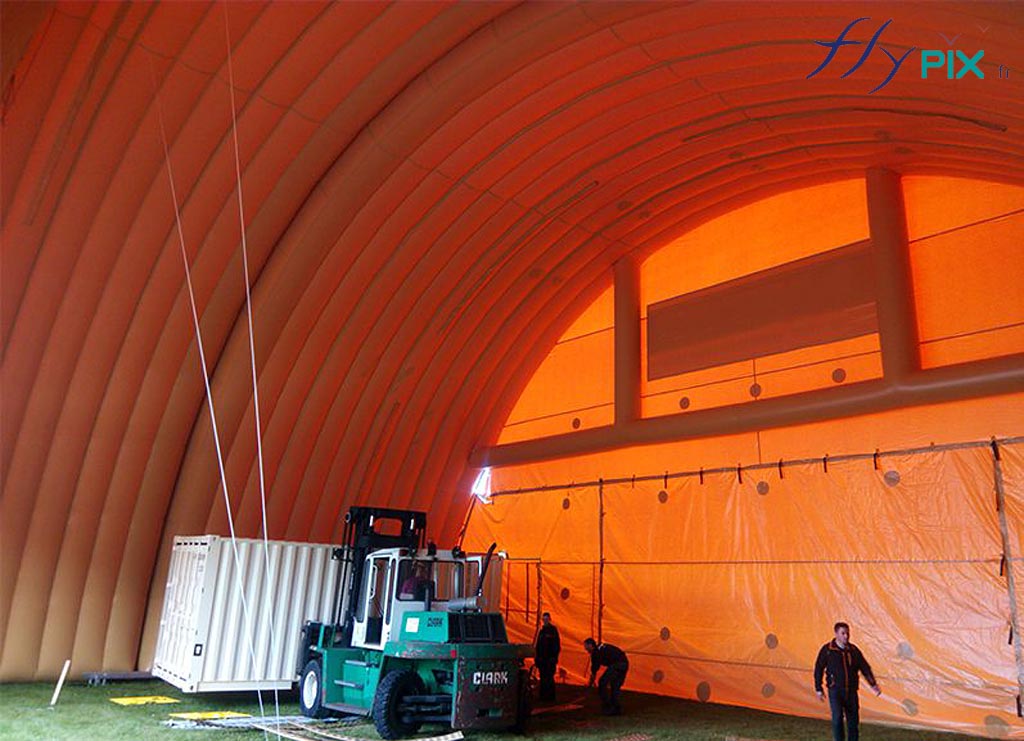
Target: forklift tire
x=311, y=693
x=524, y=704
x=397, y=685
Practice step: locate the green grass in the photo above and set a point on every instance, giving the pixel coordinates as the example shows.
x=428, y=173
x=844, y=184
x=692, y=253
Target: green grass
x=85, y=712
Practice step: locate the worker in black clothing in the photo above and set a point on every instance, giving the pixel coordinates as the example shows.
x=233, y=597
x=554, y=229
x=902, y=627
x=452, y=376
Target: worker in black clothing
x=548, y=646
x=616, y=666
x=840, y=661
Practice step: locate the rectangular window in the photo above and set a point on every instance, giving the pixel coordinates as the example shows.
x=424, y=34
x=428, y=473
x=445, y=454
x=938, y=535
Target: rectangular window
x=446, y=577
x=814, y=301
x=969, y=291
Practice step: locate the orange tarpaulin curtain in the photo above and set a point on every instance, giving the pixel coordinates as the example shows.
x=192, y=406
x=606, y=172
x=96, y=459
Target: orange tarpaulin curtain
x=723, y=587
x=1009, y=490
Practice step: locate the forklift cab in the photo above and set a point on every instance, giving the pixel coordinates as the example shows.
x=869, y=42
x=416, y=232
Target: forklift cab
x=397, y=581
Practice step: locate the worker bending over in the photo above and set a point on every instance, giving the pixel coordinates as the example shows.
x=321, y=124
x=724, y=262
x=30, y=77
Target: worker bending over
x=616, y=666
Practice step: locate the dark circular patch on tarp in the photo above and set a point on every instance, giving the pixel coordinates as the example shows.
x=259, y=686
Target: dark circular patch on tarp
x=997, y=726
x=839, y=375
x=892, y=477
x=762, y=487
x=565, y=592
x=576, y=423
x=755, y=390
x=566, y=503
x=771, y=640
x=665, y=634
x=767, y=689
x=658, y=676
x=905, y=650
x=662, y=496
x=909, y=706
x=704, y=691
x=684, y=402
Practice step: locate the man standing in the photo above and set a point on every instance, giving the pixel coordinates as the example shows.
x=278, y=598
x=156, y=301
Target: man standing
x=549, y=645
x=616, y=666
x=839, y=661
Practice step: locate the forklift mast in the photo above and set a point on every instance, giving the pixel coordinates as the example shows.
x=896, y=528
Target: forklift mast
x=368, y=529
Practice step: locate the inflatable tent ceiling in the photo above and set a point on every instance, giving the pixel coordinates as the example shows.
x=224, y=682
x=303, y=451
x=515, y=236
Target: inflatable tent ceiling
x=432, y=194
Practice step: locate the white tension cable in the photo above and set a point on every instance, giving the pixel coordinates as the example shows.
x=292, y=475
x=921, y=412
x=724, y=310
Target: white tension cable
x=209, y=392
x=252, y=354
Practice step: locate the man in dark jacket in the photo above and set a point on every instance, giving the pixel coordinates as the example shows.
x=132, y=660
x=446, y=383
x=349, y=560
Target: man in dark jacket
x=616, y=666
x=840, y=661
x=548, y=646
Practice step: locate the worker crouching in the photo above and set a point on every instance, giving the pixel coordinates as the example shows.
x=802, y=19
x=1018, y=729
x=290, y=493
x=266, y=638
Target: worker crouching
x=616, y=666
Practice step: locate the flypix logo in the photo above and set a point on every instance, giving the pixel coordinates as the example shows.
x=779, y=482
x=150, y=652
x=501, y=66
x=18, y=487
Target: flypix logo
x=956, y=62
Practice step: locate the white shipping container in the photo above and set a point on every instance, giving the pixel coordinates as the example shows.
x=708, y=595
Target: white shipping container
x=204, y=639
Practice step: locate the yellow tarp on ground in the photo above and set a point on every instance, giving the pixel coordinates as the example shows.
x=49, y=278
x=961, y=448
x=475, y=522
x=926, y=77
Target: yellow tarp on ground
x=148, y=700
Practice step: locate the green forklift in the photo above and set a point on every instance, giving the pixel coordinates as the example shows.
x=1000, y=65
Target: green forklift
x=409, y=643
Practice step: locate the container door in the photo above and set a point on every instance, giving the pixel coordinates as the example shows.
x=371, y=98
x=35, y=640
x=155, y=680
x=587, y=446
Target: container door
x=179, y=660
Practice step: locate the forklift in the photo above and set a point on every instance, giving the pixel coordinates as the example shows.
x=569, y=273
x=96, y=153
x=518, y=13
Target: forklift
x=409, y=643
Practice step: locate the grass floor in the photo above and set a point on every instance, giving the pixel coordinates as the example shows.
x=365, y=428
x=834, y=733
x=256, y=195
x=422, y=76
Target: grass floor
x=85, y=712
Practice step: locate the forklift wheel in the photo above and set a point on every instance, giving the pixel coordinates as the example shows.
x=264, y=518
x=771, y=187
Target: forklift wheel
x=387, y=702
x=311, y=696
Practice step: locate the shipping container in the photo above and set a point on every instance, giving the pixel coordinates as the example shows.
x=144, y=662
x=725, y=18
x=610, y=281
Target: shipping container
x=232, y=617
